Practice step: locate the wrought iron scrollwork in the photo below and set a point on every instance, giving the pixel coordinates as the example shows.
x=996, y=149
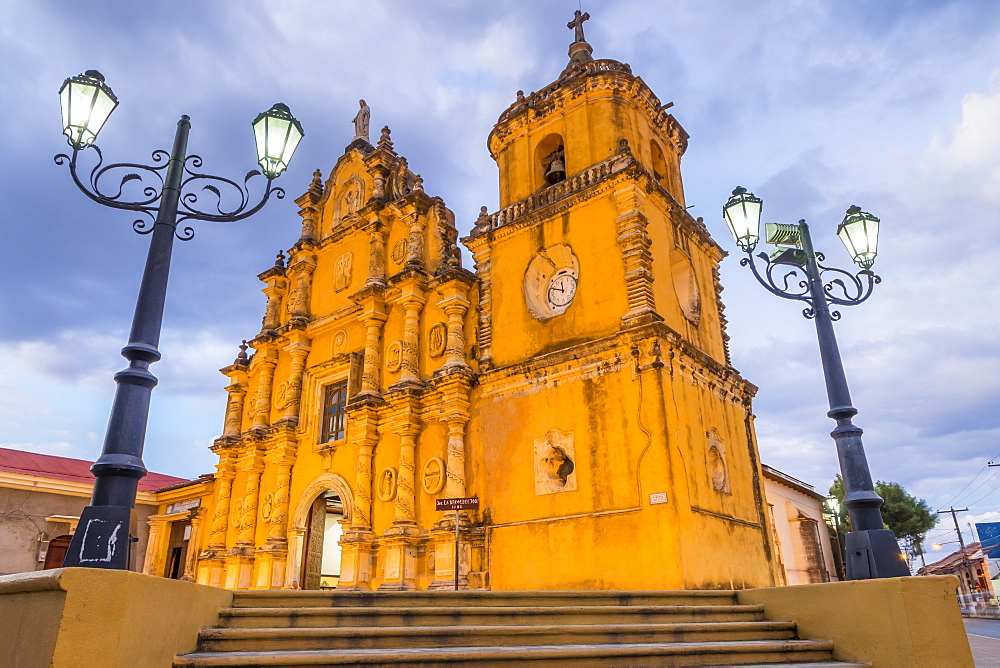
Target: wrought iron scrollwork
x=839, y=287
x=96, y=184
x=196, y=185
x=203, y=196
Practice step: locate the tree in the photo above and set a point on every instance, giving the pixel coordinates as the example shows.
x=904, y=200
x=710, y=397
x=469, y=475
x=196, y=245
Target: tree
x=908, y=517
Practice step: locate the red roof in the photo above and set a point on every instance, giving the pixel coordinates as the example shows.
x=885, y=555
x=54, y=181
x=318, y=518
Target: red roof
x=64, y=468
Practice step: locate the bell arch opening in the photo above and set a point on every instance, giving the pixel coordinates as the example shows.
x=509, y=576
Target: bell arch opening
x=550, y=160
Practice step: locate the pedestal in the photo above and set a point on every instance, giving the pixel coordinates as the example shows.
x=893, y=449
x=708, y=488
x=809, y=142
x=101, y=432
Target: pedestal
x=357, y=556
x=399, y=554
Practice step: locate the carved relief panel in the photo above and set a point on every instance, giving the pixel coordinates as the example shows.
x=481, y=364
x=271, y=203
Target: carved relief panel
x=342, y=272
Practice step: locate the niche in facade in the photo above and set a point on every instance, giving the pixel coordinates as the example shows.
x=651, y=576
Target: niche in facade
x=659, y=163
x=718, y=471
x=685, y=285
x=550, y=157
x=555, y=463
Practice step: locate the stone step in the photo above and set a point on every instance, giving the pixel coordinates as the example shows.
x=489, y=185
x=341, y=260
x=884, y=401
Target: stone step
x=429, y=637
x=299, y=599
x=483, y=615
x=783, y=653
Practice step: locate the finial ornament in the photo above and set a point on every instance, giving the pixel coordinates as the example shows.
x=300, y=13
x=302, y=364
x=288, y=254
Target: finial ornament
x=577, y=25
x=385, y=141
x=316, y=187
x=242, y=358
x=361, y=121
x=279, y=263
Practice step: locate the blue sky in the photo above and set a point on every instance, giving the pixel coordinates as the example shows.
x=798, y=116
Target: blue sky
x=813, y=105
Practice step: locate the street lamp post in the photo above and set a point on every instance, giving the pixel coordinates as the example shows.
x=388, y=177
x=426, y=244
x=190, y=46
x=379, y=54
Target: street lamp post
x=832, y=506
x=872, y=550
x=167, y=195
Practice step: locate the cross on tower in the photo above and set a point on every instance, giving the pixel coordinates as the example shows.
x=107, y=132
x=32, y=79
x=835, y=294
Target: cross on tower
x=577, y=25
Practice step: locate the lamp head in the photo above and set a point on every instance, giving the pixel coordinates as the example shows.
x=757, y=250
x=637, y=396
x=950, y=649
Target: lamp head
x=86, y=104
x=277, y=133
x=859, y=232
x=742, y=214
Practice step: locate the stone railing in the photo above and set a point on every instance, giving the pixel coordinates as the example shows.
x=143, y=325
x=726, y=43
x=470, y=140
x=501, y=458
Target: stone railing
x=552, y=194
x=604, y=65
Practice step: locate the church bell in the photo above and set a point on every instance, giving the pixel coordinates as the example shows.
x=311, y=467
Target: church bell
x=556, y=171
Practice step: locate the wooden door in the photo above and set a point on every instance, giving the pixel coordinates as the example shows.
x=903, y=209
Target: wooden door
x=57, y=552
x=312, y=561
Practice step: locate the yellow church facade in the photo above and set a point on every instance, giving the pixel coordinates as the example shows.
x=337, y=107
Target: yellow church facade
x=576, y=380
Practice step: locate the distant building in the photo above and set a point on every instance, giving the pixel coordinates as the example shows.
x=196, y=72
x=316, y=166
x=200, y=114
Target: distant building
x=803, y=540
x=41, y=497
x=969, y=564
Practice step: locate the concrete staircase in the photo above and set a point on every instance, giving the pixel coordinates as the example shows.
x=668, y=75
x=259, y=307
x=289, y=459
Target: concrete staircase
x=682, y=628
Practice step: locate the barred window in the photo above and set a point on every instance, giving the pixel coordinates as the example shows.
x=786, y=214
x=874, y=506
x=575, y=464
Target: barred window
x=334, y=411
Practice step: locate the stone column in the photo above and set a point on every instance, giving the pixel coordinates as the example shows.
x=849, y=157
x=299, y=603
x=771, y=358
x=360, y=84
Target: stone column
x=415, y=243
x=370, y=374
x=265, y=378
x=298, y=352
x=234, y=410
x=376, y=258
x=272, y=312
x=191, y=561
x=400, y=542
x=279, y=516
x=410, y=360
x=455, y=485
x=220, y=516
x=298, y=302
x=251, y=494
x=159, y=527
x=365, y=436
x=405, y=487
x=358, y=542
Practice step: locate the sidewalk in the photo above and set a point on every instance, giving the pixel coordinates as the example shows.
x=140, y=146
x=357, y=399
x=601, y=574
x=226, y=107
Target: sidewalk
x=985, y=651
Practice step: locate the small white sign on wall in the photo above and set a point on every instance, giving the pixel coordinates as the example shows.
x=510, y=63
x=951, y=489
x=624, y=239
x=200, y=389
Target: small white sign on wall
x=659, y=497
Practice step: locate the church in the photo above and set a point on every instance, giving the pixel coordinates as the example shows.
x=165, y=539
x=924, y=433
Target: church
x=575, y=380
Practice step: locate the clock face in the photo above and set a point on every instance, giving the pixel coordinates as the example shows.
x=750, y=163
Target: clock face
x=562, y=288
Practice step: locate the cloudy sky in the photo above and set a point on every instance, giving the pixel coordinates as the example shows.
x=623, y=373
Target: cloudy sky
x=813, y=105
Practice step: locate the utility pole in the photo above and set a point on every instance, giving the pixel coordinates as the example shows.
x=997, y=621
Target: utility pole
x=961, y=541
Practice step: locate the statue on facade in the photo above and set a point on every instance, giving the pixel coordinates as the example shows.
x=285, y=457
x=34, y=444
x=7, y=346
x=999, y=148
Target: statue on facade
x=361, y=121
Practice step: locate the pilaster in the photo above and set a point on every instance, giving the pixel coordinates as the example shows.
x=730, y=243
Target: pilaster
x=638, y=261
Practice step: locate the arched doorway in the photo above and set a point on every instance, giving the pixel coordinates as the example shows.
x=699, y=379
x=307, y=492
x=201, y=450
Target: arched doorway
x=324, y=508
x=321, y=556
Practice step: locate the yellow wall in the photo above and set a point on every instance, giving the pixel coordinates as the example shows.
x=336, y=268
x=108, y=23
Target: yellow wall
x=889, y=623
x=87, y=617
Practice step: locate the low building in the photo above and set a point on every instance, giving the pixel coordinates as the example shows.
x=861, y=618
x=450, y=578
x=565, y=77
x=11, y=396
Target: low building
x=971, y=567
x=41, y=497
x=796, y=512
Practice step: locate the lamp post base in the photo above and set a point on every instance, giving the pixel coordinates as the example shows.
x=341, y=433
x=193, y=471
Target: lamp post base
x=102, y=538
x=874, y=554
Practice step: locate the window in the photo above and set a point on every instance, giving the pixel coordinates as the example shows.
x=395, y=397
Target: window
x=334, y=411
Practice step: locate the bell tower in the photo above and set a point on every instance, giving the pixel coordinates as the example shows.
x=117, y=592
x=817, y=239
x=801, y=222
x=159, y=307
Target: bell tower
x=606, y=411
x=592, y=236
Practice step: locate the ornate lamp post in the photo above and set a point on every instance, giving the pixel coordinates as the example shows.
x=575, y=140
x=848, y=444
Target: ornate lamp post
x=166, y=194
x=872, y=550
